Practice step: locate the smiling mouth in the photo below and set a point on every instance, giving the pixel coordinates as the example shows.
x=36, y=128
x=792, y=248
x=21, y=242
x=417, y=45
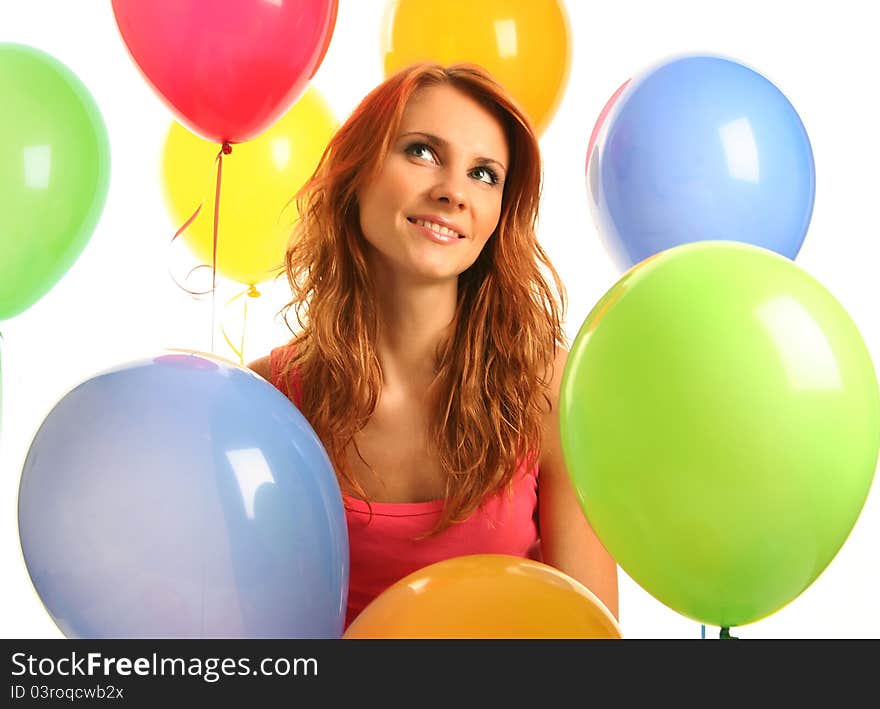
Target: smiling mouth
x=436, y=228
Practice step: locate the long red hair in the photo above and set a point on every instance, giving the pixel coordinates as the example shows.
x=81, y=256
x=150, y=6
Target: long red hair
x=491, y=372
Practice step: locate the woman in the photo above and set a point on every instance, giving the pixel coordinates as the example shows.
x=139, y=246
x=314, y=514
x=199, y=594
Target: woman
x=430, y=350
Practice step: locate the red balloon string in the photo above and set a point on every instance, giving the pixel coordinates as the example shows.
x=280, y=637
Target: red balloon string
x=225, y=149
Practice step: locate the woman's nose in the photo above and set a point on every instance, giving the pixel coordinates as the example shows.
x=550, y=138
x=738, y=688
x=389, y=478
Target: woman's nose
x=449, y=190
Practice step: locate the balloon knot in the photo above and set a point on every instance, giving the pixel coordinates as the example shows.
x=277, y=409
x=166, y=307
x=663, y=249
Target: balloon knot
x=227, y=148
x=252, y=291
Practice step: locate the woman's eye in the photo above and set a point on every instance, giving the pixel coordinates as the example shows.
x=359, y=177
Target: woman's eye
x=420, y=150
x=423, y=151
x=485, y=174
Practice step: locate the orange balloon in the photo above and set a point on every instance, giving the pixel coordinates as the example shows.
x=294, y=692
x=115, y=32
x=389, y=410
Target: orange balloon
x=486, y=596
x=524, y=44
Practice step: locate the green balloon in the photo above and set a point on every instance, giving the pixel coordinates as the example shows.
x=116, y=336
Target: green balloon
x=720, y=421
x=54, y=173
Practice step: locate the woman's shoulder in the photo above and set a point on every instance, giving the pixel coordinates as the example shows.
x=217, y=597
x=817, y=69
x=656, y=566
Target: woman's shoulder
x=554, y=375
x=273, y=368
x=272, y=365
x=262, y=366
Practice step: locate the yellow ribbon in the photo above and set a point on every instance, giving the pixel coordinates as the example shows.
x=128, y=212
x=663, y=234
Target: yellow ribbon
x=252, y=292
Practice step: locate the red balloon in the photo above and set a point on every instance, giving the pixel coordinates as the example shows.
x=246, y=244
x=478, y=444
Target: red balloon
x=229, y=69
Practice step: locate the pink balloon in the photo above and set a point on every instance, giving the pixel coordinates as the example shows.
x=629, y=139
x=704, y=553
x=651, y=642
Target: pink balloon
x=606, y=109
x=228, y=69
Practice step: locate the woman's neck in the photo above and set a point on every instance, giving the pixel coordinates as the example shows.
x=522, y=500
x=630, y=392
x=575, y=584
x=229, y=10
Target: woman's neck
x=414, y=320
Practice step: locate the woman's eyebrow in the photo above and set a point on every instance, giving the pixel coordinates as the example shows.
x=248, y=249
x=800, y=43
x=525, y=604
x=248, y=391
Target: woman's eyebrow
x=438, y=142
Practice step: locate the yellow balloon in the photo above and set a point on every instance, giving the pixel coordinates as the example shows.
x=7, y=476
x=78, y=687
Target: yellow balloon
x=486, y=596
x=524, y=44
x=259, y=179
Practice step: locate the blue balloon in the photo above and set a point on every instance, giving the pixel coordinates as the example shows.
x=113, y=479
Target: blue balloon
x=183, y=496
x=700, y=148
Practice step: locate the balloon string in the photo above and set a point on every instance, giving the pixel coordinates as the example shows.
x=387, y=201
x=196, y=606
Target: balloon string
x=225, y=150
x=195, y=268
x=179, y=232
x=252, y=292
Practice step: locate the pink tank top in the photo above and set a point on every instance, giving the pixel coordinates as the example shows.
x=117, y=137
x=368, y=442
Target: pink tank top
x=383, y=547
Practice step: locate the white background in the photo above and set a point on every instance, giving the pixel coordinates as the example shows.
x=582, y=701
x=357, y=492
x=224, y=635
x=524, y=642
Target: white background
x=117, y=303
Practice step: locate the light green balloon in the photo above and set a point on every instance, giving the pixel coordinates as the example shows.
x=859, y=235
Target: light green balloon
x=720, y=421
x=54, y=173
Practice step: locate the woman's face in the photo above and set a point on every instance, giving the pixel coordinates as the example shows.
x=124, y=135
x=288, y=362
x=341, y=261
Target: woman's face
x=437, y=197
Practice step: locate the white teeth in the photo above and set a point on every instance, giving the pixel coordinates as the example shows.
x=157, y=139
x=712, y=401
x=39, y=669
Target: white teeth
x=439, y=229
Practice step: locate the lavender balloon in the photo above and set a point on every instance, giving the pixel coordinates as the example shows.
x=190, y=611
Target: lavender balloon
x=184, y=497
